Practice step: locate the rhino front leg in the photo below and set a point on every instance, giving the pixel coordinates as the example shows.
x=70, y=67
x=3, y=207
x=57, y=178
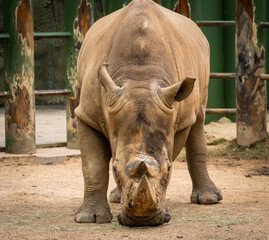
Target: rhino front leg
x=95, y=153
x=204, y=190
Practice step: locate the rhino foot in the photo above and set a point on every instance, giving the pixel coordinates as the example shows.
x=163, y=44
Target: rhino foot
x=93, y=215
x=208, y=195
x=114, y=196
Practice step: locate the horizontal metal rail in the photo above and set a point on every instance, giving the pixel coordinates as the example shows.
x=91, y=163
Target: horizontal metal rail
x=223, y=75
x=45, y=35
x=233, y=76
x=264, y=24
x=43, y=93
x=265, y=77
x=215, y=23
x=225, y=24
x=42, y=35
x=54, y=92
x=4, y=94
x=4, y=36
x=220, y=111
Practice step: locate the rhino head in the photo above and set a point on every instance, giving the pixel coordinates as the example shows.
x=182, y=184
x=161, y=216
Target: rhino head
x=140, y=116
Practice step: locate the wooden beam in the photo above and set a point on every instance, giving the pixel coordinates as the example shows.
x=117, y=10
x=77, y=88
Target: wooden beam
x=250, y=88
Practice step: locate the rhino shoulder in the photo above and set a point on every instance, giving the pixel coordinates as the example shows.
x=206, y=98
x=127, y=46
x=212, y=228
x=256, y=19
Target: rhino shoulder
x=91, y=120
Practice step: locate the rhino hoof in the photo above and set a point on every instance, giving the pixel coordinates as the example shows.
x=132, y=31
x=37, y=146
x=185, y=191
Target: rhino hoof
x=209, y=196
x=114, y=196
x=90, y=217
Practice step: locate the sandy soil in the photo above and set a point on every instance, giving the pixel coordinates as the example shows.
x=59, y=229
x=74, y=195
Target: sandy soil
x=38, y=202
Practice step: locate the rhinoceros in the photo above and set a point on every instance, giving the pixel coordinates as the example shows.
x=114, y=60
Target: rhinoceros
x=143, y=72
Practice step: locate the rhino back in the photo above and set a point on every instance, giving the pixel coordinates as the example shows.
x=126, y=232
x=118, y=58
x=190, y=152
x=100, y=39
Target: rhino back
x=142, y=40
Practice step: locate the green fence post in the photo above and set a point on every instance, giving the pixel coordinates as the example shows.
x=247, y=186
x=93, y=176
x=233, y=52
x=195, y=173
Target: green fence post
x=267, y=50
x=78, y=19
x=250, y=89
x=229, y=56
x=19, y=76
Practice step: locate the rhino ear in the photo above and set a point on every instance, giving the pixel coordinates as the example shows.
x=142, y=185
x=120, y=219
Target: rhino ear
x=177, y=92
x=113, y=91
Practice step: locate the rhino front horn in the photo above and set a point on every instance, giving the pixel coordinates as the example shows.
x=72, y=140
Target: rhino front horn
x=143, y=203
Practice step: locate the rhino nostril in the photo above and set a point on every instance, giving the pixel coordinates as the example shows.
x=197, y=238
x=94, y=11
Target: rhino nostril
x=167, y=217
x=136, y=169
x=141, y=169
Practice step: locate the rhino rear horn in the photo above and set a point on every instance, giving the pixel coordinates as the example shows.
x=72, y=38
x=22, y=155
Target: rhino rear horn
x=177, y=92
x=109, y=85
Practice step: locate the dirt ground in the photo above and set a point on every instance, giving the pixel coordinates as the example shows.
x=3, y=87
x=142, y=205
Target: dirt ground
x=38, y=202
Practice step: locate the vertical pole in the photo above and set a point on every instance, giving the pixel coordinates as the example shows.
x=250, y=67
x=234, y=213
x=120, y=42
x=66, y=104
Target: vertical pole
x=267, y=47
x=229, y=55
x=183, y=7
x=250, y=89
x=19, y=76
x=78, y=19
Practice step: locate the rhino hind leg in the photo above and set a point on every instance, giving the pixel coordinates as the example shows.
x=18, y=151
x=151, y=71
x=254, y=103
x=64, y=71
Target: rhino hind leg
x=204, y=190
x=114, y=196
x=95, y=153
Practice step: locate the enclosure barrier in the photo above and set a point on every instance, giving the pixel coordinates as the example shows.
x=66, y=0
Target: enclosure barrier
x=19, y=66
x=20, y=104
x=251, y=107
x=227, y=111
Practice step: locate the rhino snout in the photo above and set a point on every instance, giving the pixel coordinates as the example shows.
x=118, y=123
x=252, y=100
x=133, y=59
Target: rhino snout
x=139, y=166
x=157, y=219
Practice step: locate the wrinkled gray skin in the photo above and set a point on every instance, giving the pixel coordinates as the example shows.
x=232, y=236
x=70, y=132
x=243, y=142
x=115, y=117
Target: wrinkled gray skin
x=143, y=73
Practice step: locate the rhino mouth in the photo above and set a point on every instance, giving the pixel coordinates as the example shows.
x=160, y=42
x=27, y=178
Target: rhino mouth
x=158, y=218
x=143, y=207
